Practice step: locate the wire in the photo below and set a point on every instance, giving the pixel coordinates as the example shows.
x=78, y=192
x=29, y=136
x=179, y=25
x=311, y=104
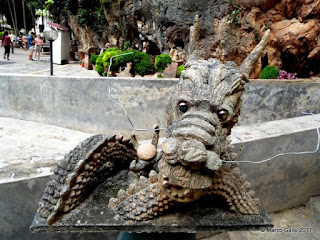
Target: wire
x=109, y=96
x=288, y=153
x=109, y=88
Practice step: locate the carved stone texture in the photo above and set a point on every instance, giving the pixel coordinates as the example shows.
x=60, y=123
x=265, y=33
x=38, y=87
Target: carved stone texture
x=195, y=159
x=81, y=171
x=203, y=108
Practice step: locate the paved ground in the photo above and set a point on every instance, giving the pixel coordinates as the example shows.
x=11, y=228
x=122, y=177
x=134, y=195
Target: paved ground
x=30, y=149
x=300, y=223
x=19, y=63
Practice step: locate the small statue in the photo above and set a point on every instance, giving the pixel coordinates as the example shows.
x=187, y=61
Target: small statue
x=194, y=160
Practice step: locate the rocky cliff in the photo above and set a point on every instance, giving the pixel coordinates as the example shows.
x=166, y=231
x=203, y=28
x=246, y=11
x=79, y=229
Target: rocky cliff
x=229, y=29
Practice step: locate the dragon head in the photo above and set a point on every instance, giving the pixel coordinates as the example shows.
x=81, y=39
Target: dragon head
x=204, y=107
x=206, y=102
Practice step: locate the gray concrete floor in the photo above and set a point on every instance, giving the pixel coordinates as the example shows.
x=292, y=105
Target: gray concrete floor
x=19, y=63
x=297, y=223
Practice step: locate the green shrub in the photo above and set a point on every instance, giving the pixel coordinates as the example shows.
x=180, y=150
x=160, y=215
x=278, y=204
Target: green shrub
x=161, y=62
x=93, y=58
x=143, y=67
x=111, y=52
x=112, y=49
x=99, y=69
x=141, y=56
x=126, y=46
x=180, y=69
x=269, y=72
x=99, y=60
x=123, y=60
x=140, y=62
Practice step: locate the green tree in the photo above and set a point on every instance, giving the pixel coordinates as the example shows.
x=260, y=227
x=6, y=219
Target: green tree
x=13, y=10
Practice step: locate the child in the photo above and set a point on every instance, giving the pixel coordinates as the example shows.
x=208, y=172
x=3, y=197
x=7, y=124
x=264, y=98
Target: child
x=25, y=42
x=38, y=41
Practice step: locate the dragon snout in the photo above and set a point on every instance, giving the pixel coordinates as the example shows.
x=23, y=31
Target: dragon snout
x=198, y=125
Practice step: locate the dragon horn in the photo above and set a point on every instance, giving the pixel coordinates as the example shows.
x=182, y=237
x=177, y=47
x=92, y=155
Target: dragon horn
x=248, y=64
x=193, y=50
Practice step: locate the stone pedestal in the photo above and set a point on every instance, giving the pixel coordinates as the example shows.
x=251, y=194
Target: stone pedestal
x=85, y=55
x=206, y=214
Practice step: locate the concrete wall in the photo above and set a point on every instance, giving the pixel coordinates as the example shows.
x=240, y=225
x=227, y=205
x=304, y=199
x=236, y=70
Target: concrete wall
x=81, y=103
x=268, y=100
x=289, y=180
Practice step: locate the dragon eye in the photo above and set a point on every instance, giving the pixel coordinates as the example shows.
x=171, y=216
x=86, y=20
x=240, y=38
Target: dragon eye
x=183, y=107
x=223, y=114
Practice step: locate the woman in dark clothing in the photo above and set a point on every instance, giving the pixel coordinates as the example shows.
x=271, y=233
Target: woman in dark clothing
x=6, y=42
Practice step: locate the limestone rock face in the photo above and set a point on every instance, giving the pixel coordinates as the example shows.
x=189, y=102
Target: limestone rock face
x=263, y=4
x=164, y=26
x=293, y=40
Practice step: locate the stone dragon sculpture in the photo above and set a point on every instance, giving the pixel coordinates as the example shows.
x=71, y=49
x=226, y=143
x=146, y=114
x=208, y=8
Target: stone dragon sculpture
x=194, y=160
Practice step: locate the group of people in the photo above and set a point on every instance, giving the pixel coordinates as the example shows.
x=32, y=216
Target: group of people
x=34, y=45
x=27, y=42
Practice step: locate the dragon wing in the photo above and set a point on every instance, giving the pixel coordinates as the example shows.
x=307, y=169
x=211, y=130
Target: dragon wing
x=81, y=171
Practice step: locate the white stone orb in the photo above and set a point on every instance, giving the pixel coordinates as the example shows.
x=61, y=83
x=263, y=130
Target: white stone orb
x=146, y=151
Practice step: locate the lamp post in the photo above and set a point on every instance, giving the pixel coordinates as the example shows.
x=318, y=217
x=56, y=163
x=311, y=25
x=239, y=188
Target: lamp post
x=51, y=35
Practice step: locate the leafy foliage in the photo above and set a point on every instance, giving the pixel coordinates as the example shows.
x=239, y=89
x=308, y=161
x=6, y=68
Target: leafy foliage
x=143, y=67
x=126, y=46
x=122, y=60
x=15, y=7
x=286, y=75
x=235, y=15
x=93, y=58
x=99, y=60
x=99, y=69
x=269, y=72
x=161, y=62
x=109, y=54
x=180, y=69
x=140, y=61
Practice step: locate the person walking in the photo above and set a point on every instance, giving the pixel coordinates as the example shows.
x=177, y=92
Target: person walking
x=38, y=41
x=31, y=45
x=6, y=42
x=12, y=40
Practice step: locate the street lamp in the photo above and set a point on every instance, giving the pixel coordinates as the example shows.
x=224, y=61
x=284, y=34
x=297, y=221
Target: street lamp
x=51, y=35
